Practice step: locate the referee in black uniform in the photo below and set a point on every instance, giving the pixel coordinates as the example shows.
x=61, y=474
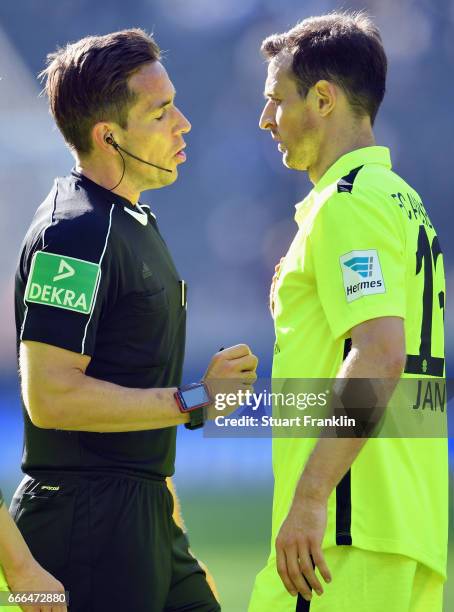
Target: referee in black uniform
x=100, y=311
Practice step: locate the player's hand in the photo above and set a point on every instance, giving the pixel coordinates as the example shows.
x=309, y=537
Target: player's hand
x=277, y=269
x=298, y=548
x=33, y=578
x=231, y=371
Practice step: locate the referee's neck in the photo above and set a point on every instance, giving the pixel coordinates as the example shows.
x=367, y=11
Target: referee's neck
x=110, y=178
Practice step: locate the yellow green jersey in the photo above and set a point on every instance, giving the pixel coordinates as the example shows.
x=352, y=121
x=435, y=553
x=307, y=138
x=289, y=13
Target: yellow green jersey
x=365, y=248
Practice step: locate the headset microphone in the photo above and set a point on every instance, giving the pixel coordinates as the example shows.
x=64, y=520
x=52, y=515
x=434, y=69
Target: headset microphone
x=110, y=140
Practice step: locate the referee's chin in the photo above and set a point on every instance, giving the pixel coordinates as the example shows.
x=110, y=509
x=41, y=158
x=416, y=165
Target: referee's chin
x=168, y=178
x=164, y=179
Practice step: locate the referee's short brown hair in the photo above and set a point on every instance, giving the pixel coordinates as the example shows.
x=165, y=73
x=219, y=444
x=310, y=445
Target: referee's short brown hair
x=87, y=82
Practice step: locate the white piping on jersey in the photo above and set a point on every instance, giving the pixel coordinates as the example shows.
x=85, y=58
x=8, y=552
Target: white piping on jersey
x=99, y=279
x=42, y=248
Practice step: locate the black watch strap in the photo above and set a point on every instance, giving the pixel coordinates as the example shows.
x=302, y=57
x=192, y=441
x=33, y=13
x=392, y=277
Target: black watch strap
x=197, y=418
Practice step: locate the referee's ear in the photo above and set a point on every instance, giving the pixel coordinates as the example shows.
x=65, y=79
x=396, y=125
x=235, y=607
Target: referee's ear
x=100, y=134
x=325, y=97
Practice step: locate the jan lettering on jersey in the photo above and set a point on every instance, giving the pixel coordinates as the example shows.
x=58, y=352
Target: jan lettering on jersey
x=430, y=395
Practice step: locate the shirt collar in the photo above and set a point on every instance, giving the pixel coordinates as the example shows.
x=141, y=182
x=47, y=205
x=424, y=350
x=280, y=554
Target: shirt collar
x=343, y=165
x=106, y=193
x=351, y=160
x=101, y=191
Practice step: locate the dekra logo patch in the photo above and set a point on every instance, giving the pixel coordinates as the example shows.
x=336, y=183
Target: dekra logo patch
x=62, y=282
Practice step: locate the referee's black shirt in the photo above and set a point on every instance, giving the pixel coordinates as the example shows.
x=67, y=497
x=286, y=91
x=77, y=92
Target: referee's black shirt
x=96, y=277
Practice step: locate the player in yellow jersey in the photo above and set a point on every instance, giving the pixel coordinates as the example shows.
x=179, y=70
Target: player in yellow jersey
x=359, y=295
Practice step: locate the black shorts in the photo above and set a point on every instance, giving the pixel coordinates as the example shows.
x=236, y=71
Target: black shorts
x=112, y=542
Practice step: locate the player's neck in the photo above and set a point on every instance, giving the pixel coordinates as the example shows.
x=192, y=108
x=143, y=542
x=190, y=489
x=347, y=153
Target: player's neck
x=334, y=148
x=108, y=178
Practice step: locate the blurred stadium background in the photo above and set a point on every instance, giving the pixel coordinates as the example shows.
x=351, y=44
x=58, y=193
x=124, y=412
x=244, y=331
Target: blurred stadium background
x=228, y=219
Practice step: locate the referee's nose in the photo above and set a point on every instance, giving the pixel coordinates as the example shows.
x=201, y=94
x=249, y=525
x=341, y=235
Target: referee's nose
x=268, y=117
x=183, y=124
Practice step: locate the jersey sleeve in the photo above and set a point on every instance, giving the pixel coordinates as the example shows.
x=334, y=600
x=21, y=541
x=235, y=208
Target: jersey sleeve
x=358, y=251
x=68, y=280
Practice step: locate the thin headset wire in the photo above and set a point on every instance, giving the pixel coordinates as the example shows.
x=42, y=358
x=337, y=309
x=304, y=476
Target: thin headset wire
x=123, y=171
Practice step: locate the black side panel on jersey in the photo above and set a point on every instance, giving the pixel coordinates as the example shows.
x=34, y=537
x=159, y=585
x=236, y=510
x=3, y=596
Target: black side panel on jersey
x=302, y=605
x=344, y=511
x=347, y=348
x=344, y=493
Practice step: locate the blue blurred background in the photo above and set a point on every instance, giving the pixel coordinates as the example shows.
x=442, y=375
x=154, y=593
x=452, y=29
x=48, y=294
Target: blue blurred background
x=229, y=218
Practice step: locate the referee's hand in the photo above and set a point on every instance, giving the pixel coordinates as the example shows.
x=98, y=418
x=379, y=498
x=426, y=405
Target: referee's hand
x=236, y=362
x=299, y=548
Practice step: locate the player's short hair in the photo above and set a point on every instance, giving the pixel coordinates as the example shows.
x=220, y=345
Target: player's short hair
x=344, y=48
x=87, y=82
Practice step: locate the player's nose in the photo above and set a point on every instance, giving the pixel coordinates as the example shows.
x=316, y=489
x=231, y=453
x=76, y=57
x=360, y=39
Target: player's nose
x=267, y=119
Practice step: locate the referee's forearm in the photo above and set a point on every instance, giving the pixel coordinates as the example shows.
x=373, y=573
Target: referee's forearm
x=84, y=403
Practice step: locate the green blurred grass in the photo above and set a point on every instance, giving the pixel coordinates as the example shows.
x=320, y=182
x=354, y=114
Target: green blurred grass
x=230, y=532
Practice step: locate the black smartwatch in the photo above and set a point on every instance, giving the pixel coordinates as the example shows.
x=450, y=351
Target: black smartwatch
x=193, y=399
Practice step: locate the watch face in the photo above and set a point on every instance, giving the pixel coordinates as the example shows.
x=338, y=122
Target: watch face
x=195, y=397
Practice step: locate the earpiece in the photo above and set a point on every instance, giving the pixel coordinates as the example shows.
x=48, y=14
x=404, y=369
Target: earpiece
x=110, y=140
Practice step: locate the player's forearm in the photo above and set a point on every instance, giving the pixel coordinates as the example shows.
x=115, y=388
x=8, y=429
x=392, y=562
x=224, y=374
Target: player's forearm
x=329, y=462
x=14, y=552
x=333, y=457
x=83, y=403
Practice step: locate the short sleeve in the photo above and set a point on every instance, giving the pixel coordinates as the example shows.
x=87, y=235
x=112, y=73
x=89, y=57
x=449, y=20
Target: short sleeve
x=69, y=278
x=358, y=252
